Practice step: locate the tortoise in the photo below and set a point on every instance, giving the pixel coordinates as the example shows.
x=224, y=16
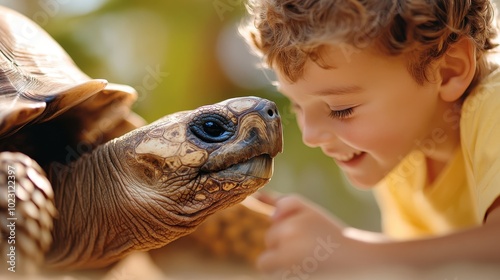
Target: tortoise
x=85, y=182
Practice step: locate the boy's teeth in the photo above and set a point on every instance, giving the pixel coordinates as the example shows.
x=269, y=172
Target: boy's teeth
x=349, y=157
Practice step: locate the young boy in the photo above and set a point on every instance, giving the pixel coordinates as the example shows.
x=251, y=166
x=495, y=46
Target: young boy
x=403, y=96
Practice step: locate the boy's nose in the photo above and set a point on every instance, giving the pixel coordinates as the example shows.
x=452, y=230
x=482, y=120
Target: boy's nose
x=315, y=133
x=315, y=139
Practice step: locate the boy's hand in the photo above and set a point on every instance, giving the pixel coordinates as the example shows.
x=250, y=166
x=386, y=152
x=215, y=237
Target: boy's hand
x=304, y=239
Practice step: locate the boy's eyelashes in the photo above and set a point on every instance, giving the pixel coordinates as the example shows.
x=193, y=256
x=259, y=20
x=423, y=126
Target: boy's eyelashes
x=334, y=114
x=341, y=114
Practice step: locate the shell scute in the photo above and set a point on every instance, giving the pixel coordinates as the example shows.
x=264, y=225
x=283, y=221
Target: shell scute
x=40, y=82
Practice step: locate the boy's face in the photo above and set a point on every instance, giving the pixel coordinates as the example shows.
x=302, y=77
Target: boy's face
x=366, y=112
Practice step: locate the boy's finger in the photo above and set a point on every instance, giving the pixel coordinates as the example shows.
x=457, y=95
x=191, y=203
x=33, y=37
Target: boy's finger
x=268, y=197
x=287, y=206
x=257, y=205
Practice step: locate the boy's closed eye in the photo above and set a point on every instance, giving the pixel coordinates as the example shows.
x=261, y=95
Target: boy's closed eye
x=341, y=114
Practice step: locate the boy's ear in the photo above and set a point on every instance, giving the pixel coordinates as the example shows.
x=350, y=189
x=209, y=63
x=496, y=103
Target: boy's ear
x=457, y=69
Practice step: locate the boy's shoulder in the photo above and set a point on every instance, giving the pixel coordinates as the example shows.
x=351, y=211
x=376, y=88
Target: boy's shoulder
x=479, y=137
x=484, y=99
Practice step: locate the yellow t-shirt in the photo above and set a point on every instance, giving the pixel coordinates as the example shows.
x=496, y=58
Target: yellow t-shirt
x=465, y=189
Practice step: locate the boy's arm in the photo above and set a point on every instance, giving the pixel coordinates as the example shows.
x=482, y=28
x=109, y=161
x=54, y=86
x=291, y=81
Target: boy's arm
x=477, y=245
x=302, y=232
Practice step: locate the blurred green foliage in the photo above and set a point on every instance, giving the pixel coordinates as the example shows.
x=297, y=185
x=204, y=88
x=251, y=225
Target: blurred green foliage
x=183, y=54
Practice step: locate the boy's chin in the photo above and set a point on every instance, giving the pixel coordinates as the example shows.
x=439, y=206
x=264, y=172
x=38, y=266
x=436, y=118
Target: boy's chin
x=363, y=182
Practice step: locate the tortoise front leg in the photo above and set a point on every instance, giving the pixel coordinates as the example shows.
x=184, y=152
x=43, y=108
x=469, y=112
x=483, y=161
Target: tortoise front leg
x=26, y=213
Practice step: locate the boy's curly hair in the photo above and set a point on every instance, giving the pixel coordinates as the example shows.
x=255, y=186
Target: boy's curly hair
x=289, y=32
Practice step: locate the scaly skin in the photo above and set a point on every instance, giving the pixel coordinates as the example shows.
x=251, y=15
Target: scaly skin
x=157, y=183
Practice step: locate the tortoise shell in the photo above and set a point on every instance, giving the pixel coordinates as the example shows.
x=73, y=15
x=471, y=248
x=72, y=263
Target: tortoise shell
x=40, y=82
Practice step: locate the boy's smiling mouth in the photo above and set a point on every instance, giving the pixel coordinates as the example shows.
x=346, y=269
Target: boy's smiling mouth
x=347, y=157
x=347, y=160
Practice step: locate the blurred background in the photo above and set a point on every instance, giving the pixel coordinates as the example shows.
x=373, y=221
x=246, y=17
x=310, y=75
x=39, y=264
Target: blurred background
x=183, y=54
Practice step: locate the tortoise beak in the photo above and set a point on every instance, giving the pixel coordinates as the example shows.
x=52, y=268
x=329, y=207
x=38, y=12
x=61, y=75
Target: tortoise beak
x=269, y=113
x=258, y=167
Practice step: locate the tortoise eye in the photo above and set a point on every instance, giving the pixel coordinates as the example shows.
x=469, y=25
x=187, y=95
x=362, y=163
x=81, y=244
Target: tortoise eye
x=212, y=128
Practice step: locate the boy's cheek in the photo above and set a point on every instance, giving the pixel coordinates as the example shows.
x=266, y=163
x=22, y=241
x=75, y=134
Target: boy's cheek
x=384, y=144
x=364, y=137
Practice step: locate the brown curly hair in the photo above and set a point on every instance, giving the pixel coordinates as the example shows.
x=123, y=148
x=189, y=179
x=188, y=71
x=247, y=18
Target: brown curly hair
x=286, y=33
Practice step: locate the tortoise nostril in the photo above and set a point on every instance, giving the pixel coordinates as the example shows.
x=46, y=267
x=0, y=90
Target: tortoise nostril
x=267, y=110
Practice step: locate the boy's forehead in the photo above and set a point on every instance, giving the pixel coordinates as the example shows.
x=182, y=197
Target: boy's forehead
x=330, y=56
x=339, y=72
x=315, y=88
x=327, y=91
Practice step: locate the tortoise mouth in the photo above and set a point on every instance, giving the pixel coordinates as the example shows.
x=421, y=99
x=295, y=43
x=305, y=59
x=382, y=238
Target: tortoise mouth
x=258, y=166
x=226, y=186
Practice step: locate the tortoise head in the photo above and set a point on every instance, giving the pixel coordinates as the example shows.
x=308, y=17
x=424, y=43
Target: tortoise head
x=207, y=159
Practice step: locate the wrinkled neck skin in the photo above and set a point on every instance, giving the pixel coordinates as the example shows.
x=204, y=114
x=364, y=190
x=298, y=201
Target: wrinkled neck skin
x=104, y=215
